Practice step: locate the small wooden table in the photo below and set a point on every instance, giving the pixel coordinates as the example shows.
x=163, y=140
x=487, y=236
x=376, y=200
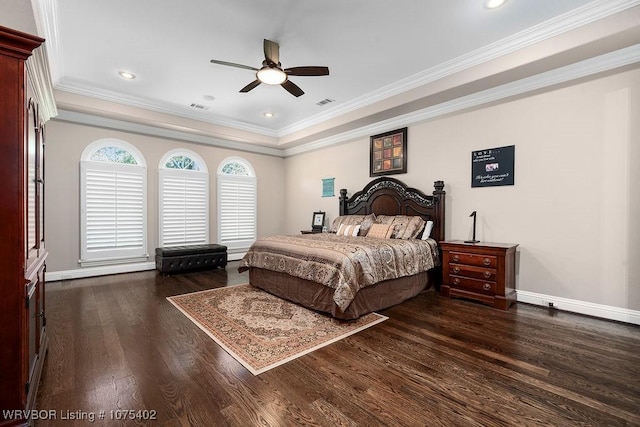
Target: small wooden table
x=483, y=271
x=310, y=231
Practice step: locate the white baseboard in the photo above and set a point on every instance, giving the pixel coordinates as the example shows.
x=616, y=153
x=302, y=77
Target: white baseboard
x=591, y=309
x=79, y=273
x=235, y=256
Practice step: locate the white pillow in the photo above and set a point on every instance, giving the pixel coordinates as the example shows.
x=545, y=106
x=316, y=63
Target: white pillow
x=348, y=230
x=427, y=230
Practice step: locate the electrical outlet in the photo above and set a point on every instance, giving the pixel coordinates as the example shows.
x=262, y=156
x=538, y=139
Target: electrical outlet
x=549, y=304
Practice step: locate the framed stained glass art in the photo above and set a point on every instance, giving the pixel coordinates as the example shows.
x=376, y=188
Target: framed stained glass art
x=388, y=153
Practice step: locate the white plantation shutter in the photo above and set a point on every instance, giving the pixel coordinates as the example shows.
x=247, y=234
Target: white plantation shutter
x=237, y=210
x=113, y=200
x=184, y=202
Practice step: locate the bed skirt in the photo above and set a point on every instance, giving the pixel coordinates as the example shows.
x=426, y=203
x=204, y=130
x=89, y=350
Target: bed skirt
x=319, y=297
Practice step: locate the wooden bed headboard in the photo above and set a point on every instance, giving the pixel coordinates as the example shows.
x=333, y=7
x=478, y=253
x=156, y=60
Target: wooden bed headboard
x=390, y=196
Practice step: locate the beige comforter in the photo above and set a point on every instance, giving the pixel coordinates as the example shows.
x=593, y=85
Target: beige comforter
x=344, y=263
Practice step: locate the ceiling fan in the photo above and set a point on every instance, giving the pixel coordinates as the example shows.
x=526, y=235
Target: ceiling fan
x=272, y=73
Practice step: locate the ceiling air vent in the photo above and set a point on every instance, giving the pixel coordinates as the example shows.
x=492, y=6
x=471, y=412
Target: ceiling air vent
x=325, y=101
x=199, y=106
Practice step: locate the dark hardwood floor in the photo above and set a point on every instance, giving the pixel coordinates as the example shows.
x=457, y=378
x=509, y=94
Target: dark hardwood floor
x=117, y=344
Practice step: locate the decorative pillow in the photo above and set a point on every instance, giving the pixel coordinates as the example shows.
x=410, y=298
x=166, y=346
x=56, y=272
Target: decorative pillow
x=384, y=219
x=380, y=231
x=404, y=226
x=366, y=224
x=427, y=230
x=347, y=220
x=408, y=227
x=348, y=230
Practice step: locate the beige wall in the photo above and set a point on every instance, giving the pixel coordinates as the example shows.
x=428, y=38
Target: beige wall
x=572, y=208
x=65, y=143
x=17, y=14
x=576, y=197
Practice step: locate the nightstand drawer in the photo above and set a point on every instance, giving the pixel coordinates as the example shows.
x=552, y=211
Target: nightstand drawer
x=473, y=272
x=483, y=271
x=473, y=285
x=473, y=259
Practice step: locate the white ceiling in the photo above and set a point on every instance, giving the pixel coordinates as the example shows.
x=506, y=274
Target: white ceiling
x=370, y=47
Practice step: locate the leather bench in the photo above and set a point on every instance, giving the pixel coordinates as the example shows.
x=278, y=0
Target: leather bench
x=178, y=259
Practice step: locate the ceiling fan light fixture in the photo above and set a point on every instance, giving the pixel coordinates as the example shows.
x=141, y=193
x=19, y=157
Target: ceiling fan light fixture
x=271, y=76
x=271, y=72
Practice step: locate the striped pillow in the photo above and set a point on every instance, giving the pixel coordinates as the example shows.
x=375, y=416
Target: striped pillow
x=347, y=220
x=348, y=230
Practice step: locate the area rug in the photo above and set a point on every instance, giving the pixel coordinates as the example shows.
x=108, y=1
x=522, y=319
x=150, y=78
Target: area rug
x=262, y=331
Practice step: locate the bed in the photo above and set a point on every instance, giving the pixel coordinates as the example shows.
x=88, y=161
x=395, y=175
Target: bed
x=351, y=275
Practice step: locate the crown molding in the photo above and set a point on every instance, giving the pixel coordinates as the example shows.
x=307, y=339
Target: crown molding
x=40, y=78
x=70, y=86
x=589, y=67
x=560, y=24
x=121, y=125
x=47, y=22
x=46, y=16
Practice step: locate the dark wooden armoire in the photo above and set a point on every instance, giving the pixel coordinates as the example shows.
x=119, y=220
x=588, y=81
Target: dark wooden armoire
x=23, y=339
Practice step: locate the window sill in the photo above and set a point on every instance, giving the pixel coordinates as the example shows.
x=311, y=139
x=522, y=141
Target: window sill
x=111, y=261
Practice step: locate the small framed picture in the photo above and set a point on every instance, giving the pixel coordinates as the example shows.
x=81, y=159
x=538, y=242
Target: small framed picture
x=318, y=221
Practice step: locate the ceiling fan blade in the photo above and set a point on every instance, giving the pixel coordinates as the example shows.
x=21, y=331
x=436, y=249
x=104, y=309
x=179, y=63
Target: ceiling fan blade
x=307, y=71
x=272, y=51
x=250, y=86
x=233, y=64
x=292, y=88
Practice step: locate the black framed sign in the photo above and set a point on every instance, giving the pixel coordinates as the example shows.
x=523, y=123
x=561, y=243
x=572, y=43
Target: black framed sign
x=318, y=220
x=492, y=167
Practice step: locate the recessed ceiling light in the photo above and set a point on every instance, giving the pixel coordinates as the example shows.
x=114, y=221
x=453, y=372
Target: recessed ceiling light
x=209, y=97
x=127, y=75
x=268, y=114
x=492, y=4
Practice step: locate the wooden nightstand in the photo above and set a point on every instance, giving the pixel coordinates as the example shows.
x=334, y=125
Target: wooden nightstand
x=483, y=271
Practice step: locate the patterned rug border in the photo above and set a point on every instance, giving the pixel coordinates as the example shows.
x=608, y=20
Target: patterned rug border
x=247, y=364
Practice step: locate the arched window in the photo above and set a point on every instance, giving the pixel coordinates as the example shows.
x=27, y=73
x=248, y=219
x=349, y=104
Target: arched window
x=183, y=199
x=113, y=180
x=237, y=191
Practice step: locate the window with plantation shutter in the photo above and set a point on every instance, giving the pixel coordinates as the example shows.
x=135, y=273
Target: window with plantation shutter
x=184, y=199
x=236, y=204
x=113, y=204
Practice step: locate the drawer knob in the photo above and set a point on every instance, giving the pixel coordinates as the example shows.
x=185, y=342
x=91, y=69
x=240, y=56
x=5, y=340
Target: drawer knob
x=456, y=270
x=486, y=287
x=486, y=261
x=487, y=274
x=456, y=281
x=456, y=258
